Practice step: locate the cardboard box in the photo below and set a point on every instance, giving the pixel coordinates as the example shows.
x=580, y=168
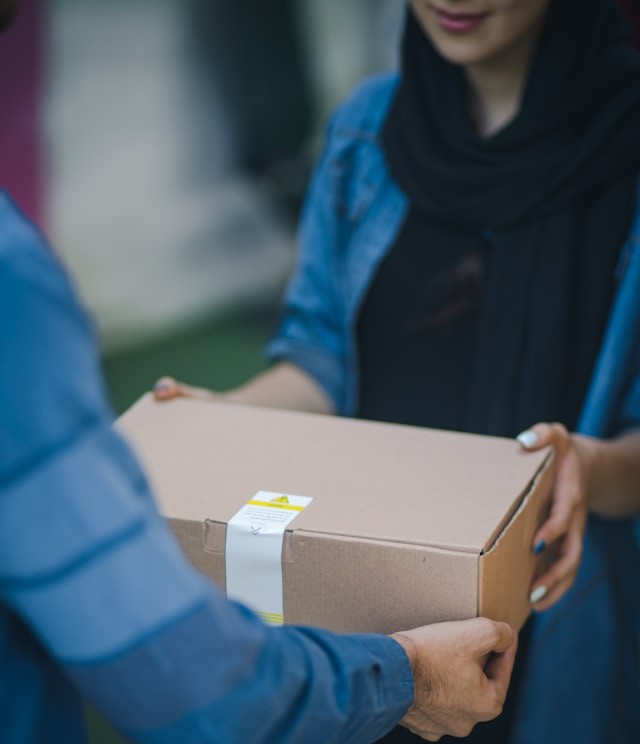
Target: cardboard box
x=407, y=526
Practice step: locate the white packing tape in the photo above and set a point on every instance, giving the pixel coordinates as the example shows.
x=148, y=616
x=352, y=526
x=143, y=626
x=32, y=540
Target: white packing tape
x=253, y=553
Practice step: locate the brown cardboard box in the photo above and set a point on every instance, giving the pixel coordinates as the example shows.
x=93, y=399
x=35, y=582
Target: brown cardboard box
x=407, y=526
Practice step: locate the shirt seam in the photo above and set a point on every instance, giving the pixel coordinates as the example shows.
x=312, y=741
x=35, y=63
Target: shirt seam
x=87, y=426
x=88, y=557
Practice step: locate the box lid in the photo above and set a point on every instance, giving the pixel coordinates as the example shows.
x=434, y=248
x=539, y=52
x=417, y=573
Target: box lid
x=368, y=480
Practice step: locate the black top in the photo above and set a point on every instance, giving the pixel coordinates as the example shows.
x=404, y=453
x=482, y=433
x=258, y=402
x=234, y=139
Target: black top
x=478, y=338
x=488, y=313
x=415, y=354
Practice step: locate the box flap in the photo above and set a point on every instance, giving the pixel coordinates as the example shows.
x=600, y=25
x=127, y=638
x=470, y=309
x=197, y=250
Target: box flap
x=376, y=481
x=509, y=567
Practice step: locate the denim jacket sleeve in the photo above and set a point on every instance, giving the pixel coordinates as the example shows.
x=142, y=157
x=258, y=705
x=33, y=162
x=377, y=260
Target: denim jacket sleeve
x=311, y=331
x=314, y=329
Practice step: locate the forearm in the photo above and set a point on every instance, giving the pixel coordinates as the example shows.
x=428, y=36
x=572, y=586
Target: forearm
x=216, y=672
x=220, y=675
x=283, y=386
x=155, y=646
x=613, y=483
x=290, y=687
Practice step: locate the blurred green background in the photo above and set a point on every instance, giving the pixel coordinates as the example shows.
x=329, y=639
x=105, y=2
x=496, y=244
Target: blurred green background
x=218, y=352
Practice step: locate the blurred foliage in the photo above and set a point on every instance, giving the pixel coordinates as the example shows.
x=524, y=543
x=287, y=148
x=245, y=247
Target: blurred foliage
x=218, y=353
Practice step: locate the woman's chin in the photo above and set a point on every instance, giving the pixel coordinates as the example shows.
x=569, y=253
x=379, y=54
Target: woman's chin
x=463, y=53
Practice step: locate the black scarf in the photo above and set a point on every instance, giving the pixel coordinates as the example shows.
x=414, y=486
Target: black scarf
x=554, y=189
x=578, y=127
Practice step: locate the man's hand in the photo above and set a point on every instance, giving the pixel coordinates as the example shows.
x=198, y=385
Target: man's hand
x=461, y=675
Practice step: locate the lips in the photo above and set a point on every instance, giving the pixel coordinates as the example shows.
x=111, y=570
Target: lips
x=459, y=23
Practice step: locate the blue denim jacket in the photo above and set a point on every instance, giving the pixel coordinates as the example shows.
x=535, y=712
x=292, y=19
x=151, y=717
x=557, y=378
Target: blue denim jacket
x=582, y=679
x=94, y=589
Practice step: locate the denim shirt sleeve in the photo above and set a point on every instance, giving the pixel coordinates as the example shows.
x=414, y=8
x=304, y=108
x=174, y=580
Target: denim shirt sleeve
x=311, y=332
x=87, y=562
x=315, y=328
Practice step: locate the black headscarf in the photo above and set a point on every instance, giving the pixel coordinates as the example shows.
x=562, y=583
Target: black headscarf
x=548, y=199
x=578, y=127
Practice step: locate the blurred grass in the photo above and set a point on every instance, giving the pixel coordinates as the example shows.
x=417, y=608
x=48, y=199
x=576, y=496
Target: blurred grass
x=218, y=353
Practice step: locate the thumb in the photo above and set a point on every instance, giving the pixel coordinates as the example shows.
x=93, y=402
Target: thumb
x=493, y=637
x=167, y=388
x=545, y=435
x=536, y=437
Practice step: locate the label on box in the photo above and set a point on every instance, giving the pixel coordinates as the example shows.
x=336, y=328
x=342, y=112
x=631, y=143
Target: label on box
x=253, y=553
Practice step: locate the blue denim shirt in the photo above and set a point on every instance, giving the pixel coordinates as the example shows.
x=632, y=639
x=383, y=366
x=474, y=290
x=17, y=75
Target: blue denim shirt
x=95, y=595
x=581, y=683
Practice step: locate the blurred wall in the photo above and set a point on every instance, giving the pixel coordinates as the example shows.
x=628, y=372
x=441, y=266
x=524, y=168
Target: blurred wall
x=179, y=137
x=157, y=223
x=347, y=40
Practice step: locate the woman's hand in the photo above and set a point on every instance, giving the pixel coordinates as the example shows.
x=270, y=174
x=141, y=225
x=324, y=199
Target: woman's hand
x=562, y=533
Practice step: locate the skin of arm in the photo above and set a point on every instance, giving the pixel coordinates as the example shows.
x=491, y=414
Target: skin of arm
x=282, y=386
x=614, y=474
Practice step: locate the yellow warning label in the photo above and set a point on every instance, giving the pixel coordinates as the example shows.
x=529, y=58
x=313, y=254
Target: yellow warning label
x=272, y=618
x=272, y=505
x=280, y=500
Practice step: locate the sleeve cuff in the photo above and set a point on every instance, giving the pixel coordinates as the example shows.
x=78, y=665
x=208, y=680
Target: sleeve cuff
x=326, y=369
x=397, y=683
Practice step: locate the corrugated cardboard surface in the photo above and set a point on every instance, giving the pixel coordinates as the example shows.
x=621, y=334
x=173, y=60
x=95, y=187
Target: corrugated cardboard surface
x=507, y=568
x=399, y=519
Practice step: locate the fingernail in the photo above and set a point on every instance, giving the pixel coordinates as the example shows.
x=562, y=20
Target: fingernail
x=539, y=547
x=528, y=439
x=161, y=387
x=538, y=594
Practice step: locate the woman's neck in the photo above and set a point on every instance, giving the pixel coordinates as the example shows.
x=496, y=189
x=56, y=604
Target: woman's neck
x=497, y=86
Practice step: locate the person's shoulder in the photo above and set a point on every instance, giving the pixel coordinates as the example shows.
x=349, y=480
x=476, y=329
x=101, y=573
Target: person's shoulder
x=49, y=370
x=363, y=114
x=27, y=263
x=35, y=289
x=355, y=166
x=17, y=233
